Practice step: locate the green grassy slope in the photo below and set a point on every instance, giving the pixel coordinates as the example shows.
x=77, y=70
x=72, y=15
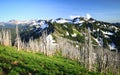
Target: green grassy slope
x=13, y=62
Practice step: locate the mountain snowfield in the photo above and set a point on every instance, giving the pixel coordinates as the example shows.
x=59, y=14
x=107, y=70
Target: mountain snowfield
x=99, y=30
x=80, y=21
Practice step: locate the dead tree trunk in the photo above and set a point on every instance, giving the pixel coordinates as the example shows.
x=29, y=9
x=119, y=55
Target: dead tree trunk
x=17, y=38
x=90, y=50
x=44, y=41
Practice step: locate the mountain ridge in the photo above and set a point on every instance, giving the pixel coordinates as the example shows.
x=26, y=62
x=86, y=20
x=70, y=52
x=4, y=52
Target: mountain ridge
x=107, y=29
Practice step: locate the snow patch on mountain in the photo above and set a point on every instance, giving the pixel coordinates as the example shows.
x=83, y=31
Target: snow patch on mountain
x=112, y=46
x=43, y=24
x=94, y=30
x=61, y=21
x=80, y=24
x=106, y=36
x=65, y=26
x=77, y=21
x=107, y=33
x=74, y=35
x=92, y=21
x=67, y=33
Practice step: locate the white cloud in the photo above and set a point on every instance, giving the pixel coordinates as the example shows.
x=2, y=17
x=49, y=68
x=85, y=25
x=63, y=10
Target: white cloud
x=88, y=16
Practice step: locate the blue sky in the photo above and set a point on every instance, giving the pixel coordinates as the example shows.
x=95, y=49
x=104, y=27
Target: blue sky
x=104, y=10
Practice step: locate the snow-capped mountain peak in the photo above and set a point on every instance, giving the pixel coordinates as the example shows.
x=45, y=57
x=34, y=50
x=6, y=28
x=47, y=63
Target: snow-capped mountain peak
x=61, y=20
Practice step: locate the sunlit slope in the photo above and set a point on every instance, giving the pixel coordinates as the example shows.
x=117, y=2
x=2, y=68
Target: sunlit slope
x=13, y=62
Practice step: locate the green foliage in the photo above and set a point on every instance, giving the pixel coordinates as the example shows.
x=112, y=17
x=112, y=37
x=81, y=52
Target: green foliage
x=1, y=69
x=71, y=29
x=13, y=62
x=54, y=37
x=116, y=39
x=105, y=42
x=12, y=72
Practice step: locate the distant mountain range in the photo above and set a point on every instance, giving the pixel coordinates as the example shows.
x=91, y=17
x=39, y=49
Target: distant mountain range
x=103, y=33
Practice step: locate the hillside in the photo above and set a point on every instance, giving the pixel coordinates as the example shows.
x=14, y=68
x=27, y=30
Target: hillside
x=92, y=43
x=103, y=34
x=13, y=62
